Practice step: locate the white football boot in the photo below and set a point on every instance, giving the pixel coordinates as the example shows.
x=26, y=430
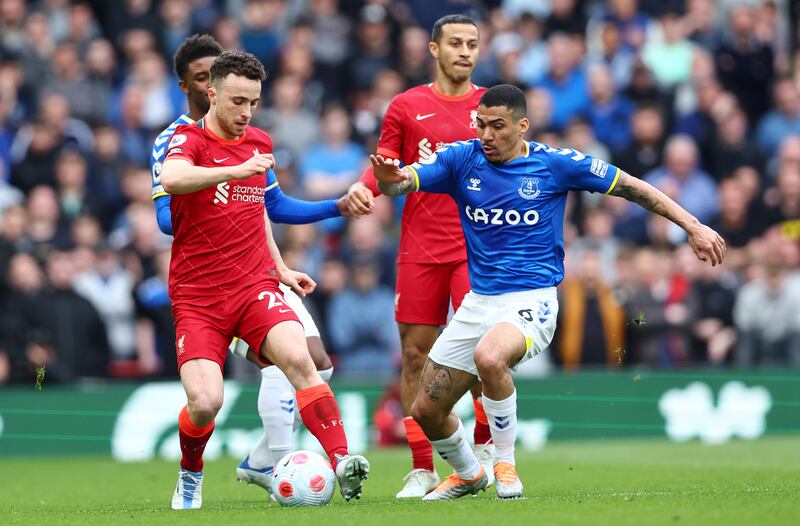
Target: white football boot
x=454, y=487
x=419, y=482
x=508, y=485
x=485, y=454
x=189, y=491
x=260, y=477
x=351, y=471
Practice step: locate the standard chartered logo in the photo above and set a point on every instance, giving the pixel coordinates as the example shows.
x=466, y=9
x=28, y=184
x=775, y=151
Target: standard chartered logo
x=222, y=193
x=499, y=216
x=246, y=194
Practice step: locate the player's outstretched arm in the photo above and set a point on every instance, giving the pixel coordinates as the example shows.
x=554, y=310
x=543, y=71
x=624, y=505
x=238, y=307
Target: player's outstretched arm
x=706, y=243
x=392, y=180
x=180, y=176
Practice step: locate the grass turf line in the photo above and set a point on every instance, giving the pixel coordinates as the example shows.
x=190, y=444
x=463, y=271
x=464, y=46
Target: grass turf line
x=594, y=482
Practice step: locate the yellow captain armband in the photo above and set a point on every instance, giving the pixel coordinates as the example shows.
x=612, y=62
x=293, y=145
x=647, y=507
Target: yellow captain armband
x=416, y=177
x=614, y=182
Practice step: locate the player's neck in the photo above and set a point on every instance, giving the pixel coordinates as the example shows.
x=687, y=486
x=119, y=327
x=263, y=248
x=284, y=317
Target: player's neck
x=520, y=150
x=195, y=113
x=213, y=126
x=448, y=88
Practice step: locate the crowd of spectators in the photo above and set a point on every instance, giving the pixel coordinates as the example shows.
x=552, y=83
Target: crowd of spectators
x=701, y=98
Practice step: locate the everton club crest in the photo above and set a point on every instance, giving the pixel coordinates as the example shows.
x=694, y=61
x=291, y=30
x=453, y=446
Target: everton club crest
x=529, y=189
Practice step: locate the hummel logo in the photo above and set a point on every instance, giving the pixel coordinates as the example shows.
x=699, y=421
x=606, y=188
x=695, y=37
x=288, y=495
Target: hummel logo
x=423, y=117
x=221, y=160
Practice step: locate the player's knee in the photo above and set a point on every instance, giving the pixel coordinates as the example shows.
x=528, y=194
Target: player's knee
x=489, y=361
x=317, y=351
x=426, y=414
x=205, y=405
x=414, y=357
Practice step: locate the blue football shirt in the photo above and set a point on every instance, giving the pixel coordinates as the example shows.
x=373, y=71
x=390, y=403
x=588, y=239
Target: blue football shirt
x=512, y=213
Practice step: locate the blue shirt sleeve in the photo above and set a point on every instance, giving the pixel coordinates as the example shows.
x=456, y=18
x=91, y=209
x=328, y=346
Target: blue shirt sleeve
x=163, y=214
x=437, y=173
x=575, y=171
x=284, y=209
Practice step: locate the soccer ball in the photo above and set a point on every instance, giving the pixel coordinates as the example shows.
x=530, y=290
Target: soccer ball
x=303, y=478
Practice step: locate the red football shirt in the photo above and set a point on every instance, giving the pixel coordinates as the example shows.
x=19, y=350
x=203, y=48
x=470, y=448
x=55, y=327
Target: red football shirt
x=219, y=235
x=416, y=123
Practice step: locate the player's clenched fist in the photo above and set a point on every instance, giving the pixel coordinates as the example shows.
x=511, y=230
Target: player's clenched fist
x=256, y=165
x=357, y=202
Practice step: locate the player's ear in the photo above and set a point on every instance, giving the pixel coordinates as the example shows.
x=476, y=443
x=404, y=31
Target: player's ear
x=182, y=85
x=524, y=124
x=433, y=47
x=212, y=94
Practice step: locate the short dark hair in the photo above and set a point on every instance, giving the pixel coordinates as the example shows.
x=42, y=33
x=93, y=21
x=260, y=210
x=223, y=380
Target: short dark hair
x=239, y=63
x=436, y=33
x=194, y=47
x=506, y=95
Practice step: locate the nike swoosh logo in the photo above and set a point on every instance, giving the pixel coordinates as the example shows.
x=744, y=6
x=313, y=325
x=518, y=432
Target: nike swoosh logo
x=282, y=311
x=221, y=160
x=423, y=117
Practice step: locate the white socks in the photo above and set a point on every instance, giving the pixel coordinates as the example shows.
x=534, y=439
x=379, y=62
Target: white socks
x=502, y=416
x=277, y=408
x=456, y=450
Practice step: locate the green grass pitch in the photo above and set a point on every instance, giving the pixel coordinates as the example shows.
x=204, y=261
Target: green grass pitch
x=597, y=483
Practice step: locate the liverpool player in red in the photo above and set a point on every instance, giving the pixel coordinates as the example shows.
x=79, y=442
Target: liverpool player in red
x=225, y=272
x=432, y=261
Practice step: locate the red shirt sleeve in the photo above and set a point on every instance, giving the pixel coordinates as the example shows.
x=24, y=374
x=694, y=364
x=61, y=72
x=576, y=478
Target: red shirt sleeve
x=390, y=143
x=186, y=143
x=368, y=178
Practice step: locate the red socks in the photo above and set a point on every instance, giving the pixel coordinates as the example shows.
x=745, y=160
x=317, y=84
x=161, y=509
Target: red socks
x=193, y=439
x=421, y=449
x=482, y=434
x=320, y=414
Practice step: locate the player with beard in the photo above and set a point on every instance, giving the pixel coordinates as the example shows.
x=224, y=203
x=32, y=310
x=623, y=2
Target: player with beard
x=225, y=271
x=192, y=63
x=432, y=261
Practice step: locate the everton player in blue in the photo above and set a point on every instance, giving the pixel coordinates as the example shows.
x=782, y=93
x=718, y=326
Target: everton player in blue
x=511, y=195
x=276, y=402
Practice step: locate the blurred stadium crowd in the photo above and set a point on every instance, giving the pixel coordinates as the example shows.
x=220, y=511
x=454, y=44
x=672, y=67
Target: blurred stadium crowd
x=700, y=98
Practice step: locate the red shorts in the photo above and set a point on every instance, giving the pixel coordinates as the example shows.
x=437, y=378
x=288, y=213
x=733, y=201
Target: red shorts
x=204, y=327
x=424, y=291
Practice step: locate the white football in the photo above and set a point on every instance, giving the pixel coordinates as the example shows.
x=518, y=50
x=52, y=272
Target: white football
x=303, y=478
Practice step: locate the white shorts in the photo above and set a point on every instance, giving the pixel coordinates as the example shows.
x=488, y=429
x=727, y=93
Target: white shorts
x=533, y=312
x=239, y=347
x=296, y=303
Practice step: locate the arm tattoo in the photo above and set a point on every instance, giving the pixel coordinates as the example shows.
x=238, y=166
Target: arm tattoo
x=643, y=195
x=401, y=188
x=439, y=383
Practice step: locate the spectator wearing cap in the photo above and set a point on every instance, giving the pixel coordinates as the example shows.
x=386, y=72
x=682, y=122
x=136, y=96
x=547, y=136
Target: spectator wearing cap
x=374, y=44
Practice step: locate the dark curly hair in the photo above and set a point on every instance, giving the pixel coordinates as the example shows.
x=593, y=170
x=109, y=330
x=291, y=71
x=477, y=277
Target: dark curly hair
x=193, y=48
x=239, y=63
